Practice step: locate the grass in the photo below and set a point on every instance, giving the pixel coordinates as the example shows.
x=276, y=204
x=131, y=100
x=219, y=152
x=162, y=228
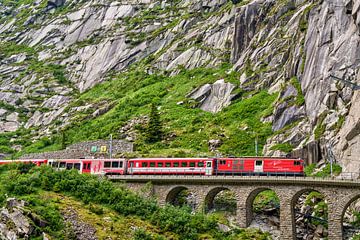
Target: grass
x=236, y=126
x=284, y=147
x=325, y=172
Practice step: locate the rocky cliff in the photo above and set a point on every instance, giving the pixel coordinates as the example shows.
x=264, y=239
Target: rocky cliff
x=53, y=52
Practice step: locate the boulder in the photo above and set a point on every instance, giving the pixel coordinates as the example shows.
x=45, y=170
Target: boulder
x=13, y=221
x=213, y=97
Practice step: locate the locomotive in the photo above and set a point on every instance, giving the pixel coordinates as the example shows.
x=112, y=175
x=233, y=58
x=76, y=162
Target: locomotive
x=178, y=166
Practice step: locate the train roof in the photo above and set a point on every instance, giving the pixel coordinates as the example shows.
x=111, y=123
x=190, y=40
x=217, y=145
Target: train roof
x=260, y=157
x=167, y=159
x=23, y=160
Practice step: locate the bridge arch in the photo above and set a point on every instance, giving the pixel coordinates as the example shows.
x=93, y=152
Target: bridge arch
x=296, y=212
x=346, y=204
x=250, y=200
x=173, y=193
x=210, y=197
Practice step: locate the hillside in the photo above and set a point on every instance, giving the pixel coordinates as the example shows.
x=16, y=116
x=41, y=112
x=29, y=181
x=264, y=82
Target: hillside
x=220, y=73
x=51, y=204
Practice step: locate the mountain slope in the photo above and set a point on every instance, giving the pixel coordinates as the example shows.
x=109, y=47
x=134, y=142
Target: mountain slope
x=276, y=55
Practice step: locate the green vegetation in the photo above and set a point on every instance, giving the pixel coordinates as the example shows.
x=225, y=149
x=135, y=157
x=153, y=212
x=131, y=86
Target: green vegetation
x=266, y=199
x=36, y=185
x=300, y=100
x=320, y=127
x=153, y=132
x=319, y=131
x=191, y=128
x=284, y=147
x=225, y=201
x=325, y=172
x=356, y=221
x=10, y=48
x=319, y=208
x=309, y=169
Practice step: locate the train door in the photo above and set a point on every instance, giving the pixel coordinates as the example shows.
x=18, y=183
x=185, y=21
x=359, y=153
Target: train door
x=131, y=166
x=209, y=168
x=259, y=166
x=86, y=167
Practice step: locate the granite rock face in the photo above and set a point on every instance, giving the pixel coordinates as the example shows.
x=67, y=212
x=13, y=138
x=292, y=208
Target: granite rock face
x=292, y=47
x=84, y=41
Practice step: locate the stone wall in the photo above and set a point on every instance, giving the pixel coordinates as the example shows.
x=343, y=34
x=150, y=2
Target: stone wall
x=91, y=149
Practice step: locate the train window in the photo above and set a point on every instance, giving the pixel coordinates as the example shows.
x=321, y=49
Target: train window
x=175, y=164
x=200, y=164
x=62, y=164
x=121, y=164
x=88, y=166
x=208, y=164
x=297, y=163
x=183, y=164
x=152, y=164
x=222, y=162
x=69, y=166
x=167, y=164
x=144, y=164
x=241, y=161
x=115, y=164
x=160, y=164
x=77, y=166
x=258, y=163
x=192, y=164
x=107, y=164
x=55, y=164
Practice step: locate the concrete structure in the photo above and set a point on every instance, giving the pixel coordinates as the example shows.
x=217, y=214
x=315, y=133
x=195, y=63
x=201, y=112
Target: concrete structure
x=338, y=194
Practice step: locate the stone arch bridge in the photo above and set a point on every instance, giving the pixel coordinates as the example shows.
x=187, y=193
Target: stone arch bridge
x=338, y=194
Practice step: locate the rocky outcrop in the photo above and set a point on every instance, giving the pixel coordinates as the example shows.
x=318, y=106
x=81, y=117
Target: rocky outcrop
x=81, y=230
x=348, y=146
x=70, y=46
x=213, y=97
x=14, y=224
x=288, y=54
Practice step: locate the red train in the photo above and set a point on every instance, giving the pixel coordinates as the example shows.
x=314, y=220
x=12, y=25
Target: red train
x=179, y=166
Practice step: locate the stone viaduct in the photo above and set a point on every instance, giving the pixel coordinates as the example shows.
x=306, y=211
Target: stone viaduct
x=338, y=194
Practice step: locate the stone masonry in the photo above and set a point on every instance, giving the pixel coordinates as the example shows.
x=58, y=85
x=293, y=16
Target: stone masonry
x=338, y=194
x=91, y=149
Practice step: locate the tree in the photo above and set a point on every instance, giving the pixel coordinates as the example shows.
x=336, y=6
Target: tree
x=153, y=131
x=63, y=139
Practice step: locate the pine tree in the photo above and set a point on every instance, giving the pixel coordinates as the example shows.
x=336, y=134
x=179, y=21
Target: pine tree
x=63, y=139
x=153, y=132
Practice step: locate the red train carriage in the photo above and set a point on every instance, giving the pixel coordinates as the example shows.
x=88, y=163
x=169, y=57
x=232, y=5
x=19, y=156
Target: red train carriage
x=258, y=166
x=92, y=166
x=178, y=166
x=37, y=162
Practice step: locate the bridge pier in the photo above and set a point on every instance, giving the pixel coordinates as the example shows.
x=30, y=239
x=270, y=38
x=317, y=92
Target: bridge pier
x=243, y=216
x=287, y=227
